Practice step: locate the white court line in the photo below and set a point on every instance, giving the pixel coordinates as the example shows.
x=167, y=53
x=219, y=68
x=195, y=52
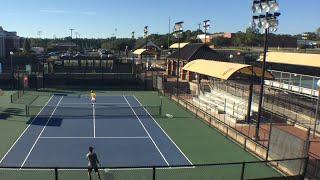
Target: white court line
x=95, y=103
x=94, y=120
x=41, y=132
x=164, y=131
x=142, y=137
x=147, y=131
x=25, y=130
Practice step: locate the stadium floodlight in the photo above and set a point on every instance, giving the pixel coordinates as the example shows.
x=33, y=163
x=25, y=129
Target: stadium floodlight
x=274, y=6
x=145, y=31
x=265, y=14
x=265, y=6
x=206, y=26
x=178, y=29
x=177, y=32
x=256, y=8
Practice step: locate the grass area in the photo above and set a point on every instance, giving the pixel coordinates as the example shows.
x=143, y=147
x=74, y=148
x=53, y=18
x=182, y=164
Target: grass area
x=201, y=144
x=12, y=118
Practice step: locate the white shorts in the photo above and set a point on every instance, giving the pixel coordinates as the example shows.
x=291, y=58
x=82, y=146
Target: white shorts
x=93, y=99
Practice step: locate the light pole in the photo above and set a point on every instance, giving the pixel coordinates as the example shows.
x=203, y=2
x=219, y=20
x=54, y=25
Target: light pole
x=265, y=14
x=305, y=38
x=145, y=33
x=317, y=111
x=11, y=68
x=132, y=34
x=71, y=30
x=206, y=26
x=178, y=30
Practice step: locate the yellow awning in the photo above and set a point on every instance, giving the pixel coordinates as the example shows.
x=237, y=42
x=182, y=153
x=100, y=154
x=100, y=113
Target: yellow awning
x=223, y=70
x=139, y=51
x=299, y=59
x=176, y=45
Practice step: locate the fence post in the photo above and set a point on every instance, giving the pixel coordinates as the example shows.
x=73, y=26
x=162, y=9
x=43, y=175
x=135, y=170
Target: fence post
x=233, y=108
x=307, y=148
x=242, y=170
x=304, y=173
x=153, y=173
x=160, y=105
x=245, y=144
x=56, y=173
x=27, y=114
x=269, y=141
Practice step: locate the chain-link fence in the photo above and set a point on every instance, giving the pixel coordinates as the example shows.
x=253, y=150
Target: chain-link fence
x=244, y=133
x=241, y=170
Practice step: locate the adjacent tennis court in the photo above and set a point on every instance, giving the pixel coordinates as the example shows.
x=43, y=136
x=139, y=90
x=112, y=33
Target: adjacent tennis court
x=122, y=131
x=137, y=135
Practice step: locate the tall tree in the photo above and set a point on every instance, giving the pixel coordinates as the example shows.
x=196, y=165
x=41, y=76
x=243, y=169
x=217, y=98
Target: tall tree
x=318, y=33
x=26, y=45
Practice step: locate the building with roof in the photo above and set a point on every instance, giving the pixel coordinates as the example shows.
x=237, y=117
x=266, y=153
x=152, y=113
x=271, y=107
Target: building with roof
x=9, y=41
x=151, y=50
x=64, y=46
x=188, y=53
x=209, y=37
x=308, y=64
x=296, y=73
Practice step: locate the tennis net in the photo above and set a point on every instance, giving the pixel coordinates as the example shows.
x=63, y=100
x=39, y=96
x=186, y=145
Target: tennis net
x=16, y=96
x=90, y=111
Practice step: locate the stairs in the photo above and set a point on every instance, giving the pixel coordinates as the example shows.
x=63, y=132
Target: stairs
x=221, y=101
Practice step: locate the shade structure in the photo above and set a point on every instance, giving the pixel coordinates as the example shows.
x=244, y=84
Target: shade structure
x=176, y=45
x=223, y=70
x=297, y=59
x=139, y=51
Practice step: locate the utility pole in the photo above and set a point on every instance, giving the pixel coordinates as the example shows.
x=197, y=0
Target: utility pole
x=169, y=32
x=71, y=30
x=39, y=34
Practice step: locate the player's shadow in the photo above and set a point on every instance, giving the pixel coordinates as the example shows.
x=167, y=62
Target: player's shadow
x=43, y=121
x=9, y=112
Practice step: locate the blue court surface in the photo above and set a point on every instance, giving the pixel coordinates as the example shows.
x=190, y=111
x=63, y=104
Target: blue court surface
x=122, y=131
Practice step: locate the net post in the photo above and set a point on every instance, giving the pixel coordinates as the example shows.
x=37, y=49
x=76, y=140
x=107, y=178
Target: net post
x=56, y=173
x=160, y=106
x=242, y=170
x=26, y=110
x=153, y=173
x=11, y=98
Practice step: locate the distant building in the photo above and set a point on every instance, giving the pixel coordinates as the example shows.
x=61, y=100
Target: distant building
x=9, y=41
x=65, y=46
x=308, y=43
x=37, y=50
x=188, y=53
x=210, y=37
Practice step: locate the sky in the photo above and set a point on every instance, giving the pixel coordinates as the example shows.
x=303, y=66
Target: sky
x=100, y=18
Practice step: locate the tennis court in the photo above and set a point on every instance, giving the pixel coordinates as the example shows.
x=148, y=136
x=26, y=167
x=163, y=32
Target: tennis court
x=124, y=127
x=122, y=131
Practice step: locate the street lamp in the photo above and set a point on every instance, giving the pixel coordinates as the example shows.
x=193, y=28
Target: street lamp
x=305, y=38
x=145, y=32
x=317, y=110
x=132, y=34
x=265, y=14
x=206, y=26
x=11, y=67
x=177, y=32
